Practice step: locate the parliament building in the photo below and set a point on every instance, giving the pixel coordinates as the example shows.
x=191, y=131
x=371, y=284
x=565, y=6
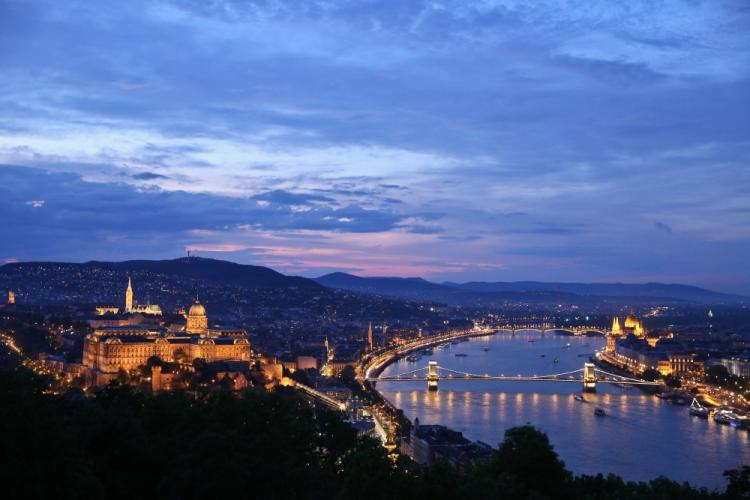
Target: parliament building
x=109, y=349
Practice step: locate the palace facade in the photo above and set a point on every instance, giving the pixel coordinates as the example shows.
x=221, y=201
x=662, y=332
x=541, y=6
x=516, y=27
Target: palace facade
x=112, y=348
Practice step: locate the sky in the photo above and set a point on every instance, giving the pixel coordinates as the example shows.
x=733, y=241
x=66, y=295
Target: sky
x=556, y=140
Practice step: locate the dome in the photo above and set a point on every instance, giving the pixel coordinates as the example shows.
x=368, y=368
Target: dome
x=631, y=321
x=197, y=309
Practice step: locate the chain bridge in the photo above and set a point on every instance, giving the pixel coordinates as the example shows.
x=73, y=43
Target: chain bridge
x=589, y=376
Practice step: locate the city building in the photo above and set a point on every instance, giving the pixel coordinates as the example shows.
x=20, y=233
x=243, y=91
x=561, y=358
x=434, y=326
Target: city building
x=739, y=366
x=631, y=324
x=11, y=297
x=112, y=348
x=427, y=443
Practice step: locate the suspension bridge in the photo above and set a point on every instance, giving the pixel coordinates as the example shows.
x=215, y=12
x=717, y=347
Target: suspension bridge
x=589, y=376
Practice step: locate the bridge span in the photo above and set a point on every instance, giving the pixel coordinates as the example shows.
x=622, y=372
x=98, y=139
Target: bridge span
x=589, y=376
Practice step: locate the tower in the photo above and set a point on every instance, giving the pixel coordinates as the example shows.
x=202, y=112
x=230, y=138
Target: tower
x=611, y=344
x=129, y=297
x=11, y=297
x=616, y=328
x=369, y=337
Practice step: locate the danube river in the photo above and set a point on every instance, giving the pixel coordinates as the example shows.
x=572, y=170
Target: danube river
x=641, y=437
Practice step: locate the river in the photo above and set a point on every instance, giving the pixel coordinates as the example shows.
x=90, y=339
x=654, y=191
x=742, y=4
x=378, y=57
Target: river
x=641, y=437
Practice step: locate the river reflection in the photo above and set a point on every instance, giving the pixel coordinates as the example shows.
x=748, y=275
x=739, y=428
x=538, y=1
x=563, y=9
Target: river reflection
x=641, y=437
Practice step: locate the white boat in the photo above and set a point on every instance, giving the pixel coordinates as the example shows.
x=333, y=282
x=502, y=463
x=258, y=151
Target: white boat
x=698, y=410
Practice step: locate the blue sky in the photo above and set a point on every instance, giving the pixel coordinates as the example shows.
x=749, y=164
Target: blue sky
x=454, y=140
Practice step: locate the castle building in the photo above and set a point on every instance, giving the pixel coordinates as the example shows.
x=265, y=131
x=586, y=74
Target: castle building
x=197, y=321
x=112, y=348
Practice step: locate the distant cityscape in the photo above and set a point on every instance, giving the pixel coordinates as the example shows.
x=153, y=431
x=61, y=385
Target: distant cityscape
x=88, y=327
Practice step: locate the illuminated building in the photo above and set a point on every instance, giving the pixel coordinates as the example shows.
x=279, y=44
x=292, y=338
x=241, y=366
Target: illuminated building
x=129, y=297
x=616, y=328
x=110, y=349
x=104, y=310
x=631, y=325
x=369, y=336
x=611, y=343
x=197, y=321
x=11, y=297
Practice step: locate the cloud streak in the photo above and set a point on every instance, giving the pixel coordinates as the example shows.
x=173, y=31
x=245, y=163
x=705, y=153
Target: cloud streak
x=535, y=141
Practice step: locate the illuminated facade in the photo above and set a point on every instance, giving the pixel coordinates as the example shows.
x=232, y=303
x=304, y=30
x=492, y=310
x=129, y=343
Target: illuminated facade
x=369, y=336
x=129, y=297
x=616, y=328
x=197, y=321
x=631, y=325
x=110, y=349
x=11, y=297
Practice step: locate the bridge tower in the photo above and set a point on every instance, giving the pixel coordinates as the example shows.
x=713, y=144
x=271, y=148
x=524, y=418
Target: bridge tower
x=589, y=377
x=432, y=376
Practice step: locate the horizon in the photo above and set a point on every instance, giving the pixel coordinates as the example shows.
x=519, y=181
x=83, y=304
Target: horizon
x=464, y=141
x=314, y=277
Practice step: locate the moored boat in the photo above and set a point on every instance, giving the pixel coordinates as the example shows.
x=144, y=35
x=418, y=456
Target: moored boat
x=698, y=410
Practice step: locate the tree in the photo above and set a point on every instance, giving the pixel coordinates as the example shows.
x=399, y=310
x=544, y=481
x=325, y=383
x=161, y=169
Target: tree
x=527, y=455
x=651, y=375
x=739, y=483
x=717, y=374
x=154, y=361
x=180, y=356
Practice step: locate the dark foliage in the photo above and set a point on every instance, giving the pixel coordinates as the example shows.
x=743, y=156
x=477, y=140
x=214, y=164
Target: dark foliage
x=125, y=444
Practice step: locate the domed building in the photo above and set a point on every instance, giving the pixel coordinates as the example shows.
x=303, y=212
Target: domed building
x=109, y=349
x=631, y=325
x=197, y=320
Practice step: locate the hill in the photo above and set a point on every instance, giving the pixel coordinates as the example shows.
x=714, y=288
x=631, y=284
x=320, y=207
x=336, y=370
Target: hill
x=533, y=291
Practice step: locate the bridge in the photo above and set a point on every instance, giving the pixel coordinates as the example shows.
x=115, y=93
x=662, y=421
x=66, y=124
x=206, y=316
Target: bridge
x=573, y=330
x=589, y=376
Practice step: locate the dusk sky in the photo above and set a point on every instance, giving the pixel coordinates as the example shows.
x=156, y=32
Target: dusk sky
x=557, y=140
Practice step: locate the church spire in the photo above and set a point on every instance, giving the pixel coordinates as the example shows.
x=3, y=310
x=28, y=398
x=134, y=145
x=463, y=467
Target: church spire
x=369, y=336
x=129, y=296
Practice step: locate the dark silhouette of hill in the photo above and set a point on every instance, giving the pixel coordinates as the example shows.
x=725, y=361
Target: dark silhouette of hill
x=523, y=290
x=197, y=268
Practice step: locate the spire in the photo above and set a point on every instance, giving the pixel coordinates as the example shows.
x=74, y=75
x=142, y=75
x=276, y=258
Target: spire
x=129, y=296
x=369, y=336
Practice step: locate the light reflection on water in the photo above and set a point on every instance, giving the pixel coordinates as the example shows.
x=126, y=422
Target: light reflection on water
x=641, y=437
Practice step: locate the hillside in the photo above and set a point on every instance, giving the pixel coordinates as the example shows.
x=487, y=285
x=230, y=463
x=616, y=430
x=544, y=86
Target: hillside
x=533, y=291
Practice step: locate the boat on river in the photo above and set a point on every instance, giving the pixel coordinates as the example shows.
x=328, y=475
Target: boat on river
x=567, y=346
x=413, y=358
x=728, y=417
x=461, y=355
x=698, y=410
x=579, y=397
x=599, y=412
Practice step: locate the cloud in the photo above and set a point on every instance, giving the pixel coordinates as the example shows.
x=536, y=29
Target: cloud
x=148, y=176
x=498, y=130
x=661, y=226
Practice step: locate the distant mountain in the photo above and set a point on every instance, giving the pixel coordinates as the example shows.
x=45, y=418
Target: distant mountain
x=197, y=268
x=213, y=271
x=481, y=292
x=400, y=287
x=420, y=289
x=656, y=290
x=169, y=283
